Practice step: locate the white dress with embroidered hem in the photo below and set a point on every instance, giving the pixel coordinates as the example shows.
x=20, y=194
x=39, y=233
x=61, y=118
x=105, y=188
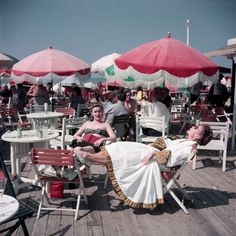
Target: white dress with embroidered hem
x=142, y=183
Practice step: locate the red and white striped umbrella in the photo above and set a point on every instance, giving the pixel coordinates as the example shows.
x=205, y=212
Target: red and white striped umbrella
x=164, y=61
x=49, y=61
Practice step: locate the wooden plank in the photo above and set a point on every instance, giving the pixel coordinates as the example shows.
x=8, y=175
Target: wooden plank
x=213, y=203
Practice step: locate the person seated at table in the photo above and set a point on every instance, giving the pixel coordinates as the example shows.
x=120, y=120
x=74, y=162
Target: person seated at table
x=38, y=94
x=218, y=93
x=93, y=134
x=50, y=91
x=134, y=168
x=114, y=107
x=5, y=94
x=76, y=98
x=160, y=106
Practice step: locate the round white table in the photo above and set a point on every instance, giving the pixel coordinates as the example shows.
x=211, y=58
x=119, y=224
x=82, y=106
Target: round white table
x=44, y=115
x=20, y=146
x=48, y=118
x=8, y=207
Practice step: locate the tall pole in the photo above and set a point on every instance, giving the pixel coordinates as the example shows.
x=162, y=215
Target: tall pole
x=233, y=105
x=188, y=23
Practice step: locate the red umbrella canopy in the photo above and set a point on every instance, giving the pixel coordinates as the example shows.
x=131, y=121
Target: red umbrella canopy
x=166, y=60
x=50, y=61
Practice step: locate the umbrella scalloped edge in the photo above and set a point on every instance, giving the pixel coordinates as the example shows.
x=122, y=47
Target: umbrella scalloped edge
x=132, y=78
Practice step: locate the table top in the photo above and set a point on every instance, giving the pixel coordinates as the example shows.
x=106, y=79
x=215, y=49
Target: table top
x=29, y=136
x=44, y=115
x=8, y=207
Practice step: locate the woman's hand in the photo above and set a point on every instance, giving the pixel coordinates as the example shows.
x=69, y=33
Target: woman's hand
x=80, y=139
x=147, y=158
x=99, y=142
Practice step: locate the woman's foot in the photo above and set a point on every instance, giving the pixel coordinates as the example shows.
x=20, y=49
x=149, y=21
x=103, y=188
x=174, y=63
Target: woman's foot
x=82, y=158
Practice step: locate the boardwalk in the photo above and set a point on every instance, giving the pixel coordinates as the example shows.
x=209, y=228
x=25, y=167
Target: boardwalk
x=212, y=211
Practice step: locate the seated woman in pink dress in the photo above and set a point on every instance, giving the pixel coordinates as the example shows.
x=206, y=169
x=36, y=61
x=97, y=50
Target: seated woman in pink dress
x=134, y=168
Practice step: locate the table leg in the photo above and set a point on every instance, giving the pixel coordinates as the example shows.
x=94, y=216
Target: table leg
x=13, y=158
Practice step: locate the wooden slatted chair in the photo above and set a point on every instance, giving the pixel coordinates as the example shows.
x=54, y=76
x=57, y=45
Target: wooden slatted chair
x=23, y=120
x=68, y=112
x=221, y=115
x=10, y=117
x=58, y=159
x=156, y=123
x=219, y=141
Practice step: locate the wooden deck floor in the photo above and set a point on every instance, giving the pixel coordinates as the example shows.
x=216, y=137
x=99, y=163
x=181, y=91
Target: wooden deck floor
x=212, y=212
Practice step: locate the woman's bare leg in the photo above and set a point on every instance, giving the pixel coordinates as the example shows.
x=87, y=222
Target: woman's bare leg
x=86, y=149
x=99, y=157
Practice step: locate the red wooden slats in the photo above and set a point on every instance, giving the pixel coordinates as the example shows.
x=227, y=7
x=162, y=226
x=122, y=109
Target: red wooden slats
x=59, y=179
x=52, y=157
x=66, y=111
x=54, y=162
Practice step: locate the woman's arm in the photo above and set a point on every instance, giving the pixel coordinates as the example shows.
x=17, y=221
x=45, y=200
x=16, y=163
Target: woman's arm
x=31, y=91
x=112, y=135
x=160, y=156
x=148, y=157
x=79, y=133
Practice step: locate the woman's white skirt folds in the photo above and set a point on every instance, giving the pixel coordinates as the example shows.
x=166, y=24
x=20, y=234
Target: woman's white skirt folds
x=137, y=184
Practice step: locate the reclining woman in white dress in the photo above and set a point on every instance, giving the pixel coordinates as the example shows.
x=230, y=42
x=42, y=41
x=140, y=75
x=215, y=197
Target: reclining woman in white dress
x=134, y=167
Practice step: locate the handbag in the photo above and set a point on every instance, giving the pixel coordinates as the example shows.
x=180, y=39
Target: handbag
x=90, y=138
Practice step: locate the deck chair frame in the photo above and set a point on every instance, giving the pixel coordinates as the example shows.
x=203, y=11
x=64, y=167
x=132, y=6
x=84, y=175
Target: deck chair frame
x=170, y=178
x=65, y=138
x=59, y=159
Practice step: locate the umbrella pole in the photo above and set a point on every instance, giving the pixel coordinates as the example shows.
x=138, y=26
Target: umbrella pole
x=233, y=105
x=232, y=84
x=52, y=105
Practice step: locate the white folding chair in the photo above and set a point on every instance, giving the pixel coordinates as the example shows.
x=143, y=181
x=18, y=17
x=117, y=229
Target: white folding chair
x=65, y=138
x=170, y=178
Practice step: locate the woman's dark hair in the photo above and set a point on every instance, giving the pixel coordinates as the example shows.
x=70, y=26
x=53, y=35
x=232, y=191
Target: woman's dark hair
x=139, y=88
x=96, y=104
x=207, y=135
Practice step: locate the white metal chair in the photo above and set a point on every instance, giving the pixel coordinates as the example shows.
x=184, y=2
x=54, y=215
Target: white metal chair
x=170, y=176
x=65, y=138
x=59, y=159
x=219, y=141
x=156, y=123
